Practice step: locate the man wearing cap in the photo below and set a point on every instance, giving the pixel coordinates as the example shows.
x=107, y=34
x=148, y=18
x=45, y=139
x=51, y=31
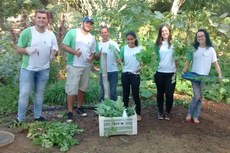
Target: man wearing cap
x=80, y=46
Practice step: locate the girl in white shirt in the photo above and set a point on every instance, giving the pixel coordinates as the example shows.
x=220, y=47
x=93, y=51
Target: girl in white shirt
x=131, y=72
x=165, y=72
x=201, y=60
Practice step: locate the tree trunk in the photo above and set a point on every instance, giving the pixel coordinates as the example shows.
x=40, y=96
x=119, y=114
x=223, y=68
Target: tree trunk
x=176, y=6
x=1, y=15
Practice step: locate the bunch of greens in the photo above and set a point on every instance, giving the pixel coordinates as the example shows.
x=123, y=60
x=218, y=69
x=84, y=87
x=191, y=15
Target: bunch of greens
x=115, y=51
x=110, y=108
x=181, y=49
x=48, y=134
x=145, y=56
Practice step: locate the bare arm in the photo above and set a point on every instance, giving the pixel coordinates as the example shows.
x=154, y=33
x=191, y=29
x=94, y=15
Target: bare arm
x=218, y=70
x=71, y=51
x=90, y=58
x=186, y=66
x=97, y=55
x=20, y=50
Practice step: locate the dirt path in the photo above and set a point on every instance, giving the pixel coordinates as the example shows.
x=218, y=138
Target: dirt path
x=154, y=136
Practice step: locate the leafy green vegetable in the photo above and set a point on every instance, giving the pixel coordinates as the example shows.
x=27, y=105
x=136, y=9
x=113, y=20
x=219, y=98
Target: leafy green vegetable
x=110, y=108
x=48, y=134
x=115, y=52
x=145, y=56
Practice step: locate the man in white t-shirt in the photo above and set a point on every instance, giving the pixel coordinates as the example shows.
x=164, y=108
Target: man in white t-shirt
x=80, y=46
x=38, y=46
x=111, y=49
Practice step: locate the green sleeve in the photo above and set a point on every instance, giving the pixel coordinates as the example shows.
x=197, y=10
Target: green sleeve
x=24, y=38
x=70, y=38
x=97, y=47
x=189, y=56
x=157, y=51
x=70, y=41
x=122, y=53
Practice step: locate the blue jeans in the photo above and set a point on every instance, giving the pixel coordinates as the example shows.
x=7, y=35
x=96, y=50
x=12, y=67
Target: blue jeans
x=112, y=79
x=31, y=81
x=196, y=102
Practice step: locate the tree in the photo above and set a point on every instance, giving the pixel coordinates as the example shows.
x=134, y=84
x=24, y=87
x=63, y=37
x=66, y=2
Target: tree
x=176, y=6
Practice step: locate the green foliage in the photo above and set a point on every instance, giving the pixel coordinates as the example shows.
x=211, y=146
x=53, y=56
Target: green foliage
x=12, y=7
x=145, y=56
x=92, y=93
x=184, y=103
x=57, y=69
x=147, y=88
x=55, y=93
x=9, y=60
x=110, y=108
x=48, y=134
x=8, y=99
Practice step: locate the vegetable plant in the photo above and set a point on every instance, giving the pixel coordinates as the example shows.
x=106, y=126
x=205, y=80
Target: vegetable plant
x=48, y=134
x=110, y=108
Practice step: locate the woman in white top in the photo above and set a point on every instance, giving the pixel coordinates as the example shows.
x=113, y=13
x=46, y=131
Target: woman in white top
x=165, y=74
x=201, y=60
x=131, y=72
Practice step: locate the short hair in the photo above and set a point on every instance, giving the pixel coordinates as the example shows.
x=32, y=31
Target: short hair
x=41, y=11
x=104, y=27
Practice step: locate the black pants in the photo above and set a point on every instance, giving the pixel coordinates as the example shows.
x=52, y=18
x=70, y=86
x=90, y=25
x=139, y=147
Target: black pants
x=128, y=79
x=165, y=87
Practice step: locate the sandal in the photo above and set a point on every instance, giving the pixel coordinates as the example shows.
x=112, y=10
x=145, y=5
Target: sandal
x=188, y=118
x=196, y=121
x=139, y=118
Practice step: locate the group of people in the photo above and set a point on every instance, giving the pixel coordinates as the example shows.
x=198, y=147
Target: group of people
x=39, y=46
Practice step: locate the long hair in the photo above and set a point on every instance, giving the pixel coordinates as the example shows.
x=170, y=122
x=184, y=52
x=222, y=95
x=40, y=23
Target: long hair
x=208, y=41
x=134, y=35
x=159, y=40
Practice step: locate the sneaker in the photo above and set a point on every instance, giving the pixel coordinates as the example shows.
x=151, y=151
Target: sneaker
x=40, y=119
x=70, y=117
x=139, y=118
x=16, y=123
x=81, y=112
x=167, y=116
x=160, y=116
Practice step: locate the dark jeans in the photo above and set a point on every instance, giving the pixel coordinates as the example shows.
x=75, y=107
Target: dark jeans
x=113, y=79
x=128, y=79
x=165, y=87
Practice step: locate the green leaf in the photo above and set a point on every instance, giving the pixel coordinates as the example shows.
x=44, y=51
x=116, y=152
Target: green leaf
x=224, y=15
x=158, y=15
x=223, y=28
x=122, y=8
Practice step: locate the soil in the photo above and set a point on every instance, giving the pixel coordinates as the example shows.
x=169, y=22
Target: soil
x=212, y=135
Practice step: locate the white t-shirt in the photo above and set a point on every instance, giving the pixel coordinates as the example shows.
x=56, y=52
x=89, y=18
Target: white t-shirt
x=202, y=60
x=167, y=62
x=130, y=62
x=111, y=59
x=43, y=43
x=87, y=45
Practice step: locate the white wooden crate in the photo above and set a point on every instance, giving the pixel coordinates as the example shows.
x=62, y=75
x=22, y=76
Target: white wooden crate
x=117, y=125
